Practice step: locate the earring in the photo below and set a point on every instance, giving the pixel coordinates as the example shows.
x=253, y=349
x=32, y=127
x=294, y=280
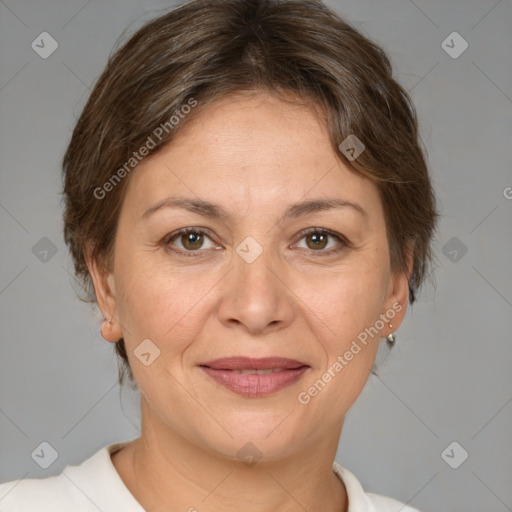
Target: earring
x=106, y=327
x=391, y=337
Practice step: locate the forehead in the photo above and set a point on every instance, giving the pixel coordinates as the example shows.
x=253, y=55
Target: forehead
x=255, y=147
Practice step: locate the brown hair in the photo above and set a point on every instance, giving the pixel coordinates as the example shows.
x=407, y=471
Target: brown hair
x=206, y=49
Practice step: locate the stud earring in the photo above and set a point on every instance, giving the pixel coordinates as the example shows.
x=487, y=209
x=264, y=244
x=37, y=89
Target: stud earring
x=391, y=337
x=106, y=328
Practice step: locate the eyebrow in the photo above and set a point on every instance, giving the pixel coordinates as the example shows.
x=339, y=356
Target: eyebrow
x=211, y=210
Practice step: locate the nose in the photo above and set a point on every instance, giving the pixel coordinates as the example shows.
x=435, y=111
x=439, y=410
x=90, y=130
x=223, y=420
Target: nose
x=255, y=296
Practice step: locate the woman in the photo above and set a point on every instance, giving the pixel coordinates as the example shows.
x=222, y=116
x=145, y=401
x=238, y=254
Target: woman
x=248, y=203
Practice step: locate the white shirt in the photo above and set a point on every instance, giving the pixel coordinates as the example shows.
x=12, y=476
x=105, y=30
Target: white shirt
x=95, y=485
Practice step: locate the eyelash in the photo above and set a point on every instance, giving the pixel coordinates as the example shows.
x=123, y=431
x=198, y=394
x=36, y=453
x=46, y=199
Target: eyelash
x=340, y=239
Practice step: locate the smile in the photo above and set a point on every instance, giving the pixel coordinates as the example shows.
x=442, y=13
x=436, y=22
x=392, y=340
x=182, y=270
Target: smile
x=254, y=378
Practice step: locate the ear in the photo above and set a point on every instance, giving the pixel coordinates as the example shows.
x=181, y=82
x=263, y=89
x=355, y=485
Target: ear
x=104, y=287
x=398, y=297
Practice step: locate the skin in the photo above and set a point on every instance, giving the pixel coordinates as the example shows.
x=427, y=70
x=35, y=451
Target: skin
x=254, y=155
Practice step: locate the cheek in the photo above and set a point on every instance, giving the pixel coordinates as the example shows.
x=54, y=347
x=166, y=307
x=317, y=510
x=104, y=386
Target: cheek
x=346, y=310
x=346, y=302
x=158, y=302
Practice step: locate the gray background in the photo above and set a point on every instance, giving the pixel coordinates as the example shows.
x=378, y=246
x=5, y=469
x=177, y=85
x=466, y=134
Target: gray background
x=449, y=378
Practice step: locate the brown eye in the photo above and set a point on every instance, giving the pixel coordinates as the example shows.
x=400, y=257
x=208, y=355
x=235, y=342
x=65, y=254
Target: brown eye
x=318, y=240
x=191, y=241
x=323, y=242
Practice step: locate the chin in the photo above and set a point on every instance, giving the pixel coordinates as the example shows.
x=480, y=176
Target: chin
x=253, y=446
x=273, y=431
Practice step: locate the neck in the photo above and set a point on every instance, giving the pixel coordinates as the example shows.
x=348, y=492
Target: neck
x=165, y=471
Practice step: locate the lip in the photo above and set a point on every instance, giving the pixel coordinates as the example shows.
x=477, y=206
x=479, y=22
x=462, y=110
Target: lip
x=280, y=373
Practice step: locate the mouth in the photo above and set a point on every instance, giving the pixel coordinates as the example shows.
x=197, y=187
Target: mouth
x=253, y=378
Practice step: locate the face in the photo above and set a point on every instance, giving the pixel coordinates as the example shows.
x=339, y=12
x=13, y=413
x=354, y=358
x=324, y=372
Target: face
x=285, y=256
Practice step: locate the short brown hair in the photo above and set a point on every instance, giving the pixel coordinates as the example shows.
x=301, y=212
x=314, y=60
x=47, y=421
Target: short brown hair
x=206, y=49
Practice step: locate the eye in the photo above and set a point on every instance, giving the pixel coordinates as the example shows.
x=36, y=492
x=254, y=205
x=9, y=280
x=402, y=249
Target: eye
x=191, y=240
x=188, y=241
x=317, y=240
